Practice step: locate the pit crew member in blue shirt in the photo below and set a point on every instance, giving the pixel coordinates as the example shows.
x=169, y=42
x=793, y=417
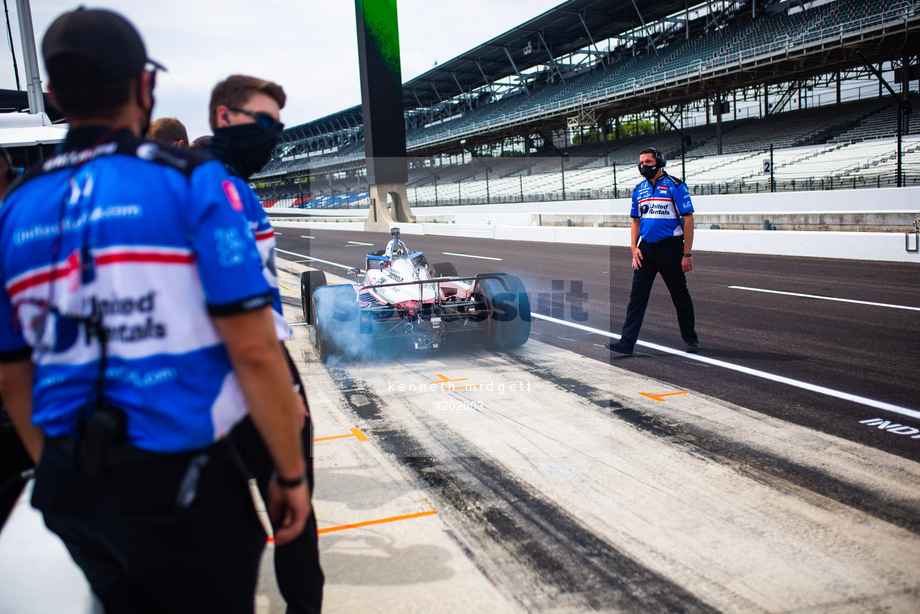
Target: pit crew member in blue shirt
x=135, y=333
x=661, y=240
x=245, y=114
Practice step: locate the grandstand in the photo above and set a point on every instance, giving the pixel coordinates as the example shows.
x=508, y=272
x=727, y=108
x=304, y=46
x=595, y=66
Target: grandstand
x=558, y=107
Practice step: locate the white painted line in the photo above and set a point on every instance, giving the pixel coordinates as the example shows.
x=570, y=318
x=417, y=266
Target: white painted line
x=359, y=243
x=470, y=256
x=826, y=298
x=306, y=237
x=896, y=409
x=284, y=251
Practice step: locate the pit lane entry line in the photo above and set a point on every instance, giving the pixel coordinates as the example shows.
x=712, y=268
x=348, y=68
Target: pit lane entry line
x=826, y=298
x=838, y=394
x=661, y=397
x=356, y=433
x=373, y=522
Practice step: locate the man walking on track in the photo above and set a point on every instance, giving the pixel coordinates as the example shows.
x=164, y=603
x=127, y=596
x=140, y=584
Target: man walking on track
x=661, y=240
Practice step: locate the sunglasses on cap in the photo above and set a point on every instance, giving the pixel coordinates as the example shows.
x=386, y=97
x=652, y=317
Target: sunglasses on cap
x=263, y=120
x=152, y=68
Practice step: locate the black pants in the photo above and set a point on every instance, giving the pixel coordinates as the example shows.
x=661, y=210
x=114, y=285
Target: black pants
x=13, y=461
x=663, y=257
x=297, y=567
x=142, y=551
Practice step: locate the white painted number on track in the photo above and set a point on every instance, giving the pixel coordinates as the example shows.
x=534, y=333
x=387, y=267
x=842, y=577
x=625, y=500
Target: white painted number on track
x=892, y=427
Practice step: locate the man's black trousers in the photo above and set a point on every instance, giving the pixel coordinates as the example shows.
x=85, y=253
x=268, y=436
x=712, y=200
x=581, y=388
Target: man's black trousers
x=297, y=567
x=141, y=549
x=663, y=257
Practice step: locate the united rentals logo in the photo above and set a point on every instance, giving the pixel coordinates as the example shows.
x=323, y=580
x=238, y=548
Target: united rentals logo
x=128, y=306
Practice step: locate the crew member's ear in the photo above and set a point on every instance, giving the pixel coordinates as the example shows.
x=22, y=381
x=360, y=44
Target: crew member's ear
x=223, y=119
x=145, y=92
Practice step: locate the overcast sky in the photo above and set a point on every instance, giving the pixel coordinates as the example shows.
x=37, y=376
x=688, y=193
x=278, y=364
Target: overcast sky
x=308, y=46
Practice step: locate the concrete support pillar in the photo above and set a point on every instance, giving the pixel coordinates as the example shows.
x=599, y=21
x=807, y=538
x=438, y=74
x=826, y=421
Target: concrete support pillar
x=379, y=217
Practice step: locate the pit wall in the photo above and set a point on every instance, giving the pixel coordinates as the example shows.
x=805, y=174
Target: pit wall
x=516, y=222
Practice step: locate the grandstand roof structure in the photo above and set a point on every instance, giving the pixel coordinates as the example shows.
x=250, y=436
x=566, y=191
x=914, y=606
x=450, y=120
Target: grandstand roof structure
x=667, y=53
x=574, y=25
x=570, y=27
x=777, y=49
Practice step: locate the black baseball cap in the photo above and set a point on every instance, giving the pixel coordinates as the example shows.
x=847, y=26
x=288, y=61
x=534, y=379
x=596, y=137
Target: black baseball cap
x=109, y=49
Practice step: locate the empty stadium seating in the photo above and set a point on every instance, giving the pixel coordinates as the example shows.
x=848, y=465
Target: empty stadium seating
x=849, y=144
x=744, y=38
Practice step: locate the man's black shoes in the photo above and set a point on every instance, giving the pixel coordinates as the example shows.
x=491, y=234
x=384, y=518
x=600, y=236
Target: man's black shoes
x=619, y=347
x=693, y=347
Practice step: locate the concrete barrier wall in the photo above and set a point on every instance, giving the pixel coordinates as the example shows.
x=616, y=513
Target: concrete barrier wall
x=881, y=246
x=515, y=222
x=831, y=201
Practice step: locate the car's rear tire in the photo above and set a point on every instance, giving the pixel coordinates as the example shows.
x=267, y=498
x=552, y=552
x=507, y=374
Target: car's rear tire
x=445, y=269
x=508, y=305
x=320, y=338
x=309, y=282
x=337, y=324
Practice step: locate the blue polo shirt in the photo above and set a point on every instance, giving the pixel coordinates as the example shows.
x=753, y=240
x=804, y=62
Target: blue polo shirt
x=148, y=239
x=655, y=207
x=260, y=227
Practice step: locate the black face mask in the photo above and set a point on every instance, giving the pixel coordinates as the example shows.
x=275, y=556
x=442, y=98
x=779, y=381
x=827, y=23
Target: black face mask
x=648, y=172
x=148, y=112
x=245, y=148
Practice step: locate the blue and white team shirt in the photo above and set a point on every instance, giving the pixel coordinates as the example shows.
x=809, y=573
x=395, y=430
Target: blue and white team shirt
x=655, y=207
x=261, y=228
x=149, y=238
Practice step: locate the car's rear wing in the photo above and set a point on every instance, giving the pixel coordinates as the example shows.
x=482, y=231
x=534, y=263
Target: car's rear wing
x=439, y=280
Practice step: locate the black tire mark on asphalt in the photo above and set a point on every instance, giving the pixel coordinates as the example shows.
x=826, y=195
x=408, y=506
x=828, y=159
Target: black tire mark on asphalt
x=291, y=301
x=571, y=385
x=775, y=471
x=528, y=535
x=778, y=472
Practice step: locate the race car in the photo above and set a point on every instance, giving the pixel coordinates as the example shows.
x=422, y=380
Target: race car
x=404, y=301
